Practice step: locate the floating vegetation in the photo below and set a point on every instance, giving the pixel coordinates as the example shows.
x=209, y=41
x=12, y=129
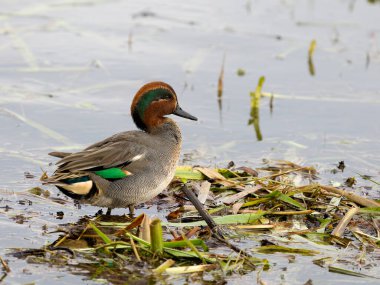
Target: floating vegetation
x=281, y=207
x=240, y=72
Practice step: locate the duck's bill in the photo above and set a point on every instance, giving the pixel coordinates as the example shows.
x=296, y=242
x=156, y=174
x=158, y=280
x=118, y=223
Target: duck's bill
x=179, y=112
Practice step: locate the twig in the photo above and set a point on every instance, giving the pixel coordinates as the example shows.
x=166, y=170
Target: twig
x=5, y=265
x=281, y=213
x=282, y=173
x=133, y=245
x=233, y=198
x=52, y=247
x=204, y=214
x=3, y=277
x=216, y=231
x=339, y=229
x=351, y=196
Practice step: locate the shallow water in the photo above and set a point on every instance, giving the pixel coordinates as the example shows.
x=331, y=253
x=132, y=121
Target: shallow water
x=70, y=69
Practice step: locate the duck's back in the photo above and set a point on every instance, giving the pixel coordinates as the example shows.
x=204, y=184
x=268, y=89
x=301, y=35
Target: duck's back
x=149, y=158
x=151, y=171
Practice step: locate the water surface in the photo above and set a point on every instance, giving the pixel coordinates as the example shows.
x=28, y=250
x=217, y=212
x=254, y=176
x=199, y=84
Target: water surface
x=70, y=70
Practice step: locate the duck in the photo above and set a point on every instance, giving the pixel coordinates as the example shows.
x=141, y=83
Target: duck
x=131, y=167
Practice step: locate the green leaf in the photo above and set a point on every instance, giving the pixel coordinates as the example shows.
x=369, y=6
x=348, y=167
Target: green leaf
x=181, y=243
x=102, y=235
x=227, y=173
x=291, y=201
x=278, y=195
x=187, y=172
x=156, y=238
x=186, y=254
x=319, y=238
x=283, y=249
x=225, y=220
x=370, y=210
x=255, y=96
x=255, y=202
x=193, y=248
x=324, y=224
x=312, y=46
x=348, y=272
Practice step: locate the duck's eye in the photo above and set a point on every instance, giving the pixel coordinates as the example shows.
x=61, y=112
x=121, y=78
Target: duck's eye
x=166, y=96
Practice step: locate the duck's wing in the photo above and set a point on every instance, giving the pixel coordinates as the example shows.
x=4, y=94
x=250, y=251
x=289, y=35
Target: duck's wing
x=117, y=151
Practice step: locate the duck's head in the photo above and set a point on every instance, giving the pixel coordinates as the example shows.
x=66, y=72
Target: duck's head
x=152, y=103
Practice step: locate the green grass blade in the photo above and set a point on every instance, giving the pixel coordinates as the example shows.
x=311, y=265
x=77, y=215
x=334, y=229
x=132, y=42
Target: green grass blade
x=225, y=220
x=156, y=237
x=102, y=235
x=285, y=198
x=370, y=210
x=181, y=243
x=348, y=272
x=283, y=249
x=187, y=172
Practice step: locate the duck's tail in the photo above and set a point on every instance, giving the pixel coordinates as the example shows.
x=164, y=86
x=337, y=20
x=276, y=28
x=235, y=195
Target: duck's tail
x=59, y=154
x=72, y=185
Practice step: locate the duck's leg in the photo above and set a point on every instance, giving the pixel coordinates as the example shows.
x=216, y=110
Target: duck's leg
x=102, y=185
x=131, y=210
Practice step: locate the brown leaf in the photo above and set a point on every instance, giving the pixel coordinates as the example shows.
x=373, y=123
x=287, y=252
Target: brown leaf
x=215, y=175
x=203, y=189
x=144, y=230
x=236, y=207
x=248, y=190
x=192, y=232
x=248, y=170
x=174, y=215
x=339, y=229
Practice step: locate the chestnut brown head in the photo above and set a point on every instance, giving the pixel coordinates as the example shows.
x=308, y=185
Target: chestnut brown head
x=153, y=102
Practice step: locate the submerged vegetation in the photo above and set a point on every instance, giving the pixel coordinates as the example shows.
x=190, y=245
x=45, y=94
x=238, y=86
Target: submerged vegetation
x=280, y=208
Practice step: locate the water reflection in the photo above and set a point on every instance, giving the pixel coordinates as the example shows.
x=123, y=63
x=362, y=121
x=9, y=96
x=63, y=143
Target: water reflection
x=271, y=103
x=220, y=85
x=220, y=90
x=310, y=63
x=255, y=121
x=255, y=109
x=3, y=277
x=311, y=66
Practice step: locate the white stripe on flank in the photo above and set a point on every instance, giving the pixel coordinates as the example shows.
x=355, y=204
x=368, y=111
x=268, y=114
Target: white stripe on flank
x=137, y=157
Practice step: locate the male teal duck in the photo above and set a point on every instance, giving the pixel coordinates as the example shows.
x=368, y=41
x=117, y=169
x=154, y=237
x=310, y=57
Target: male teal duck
x=130, y=167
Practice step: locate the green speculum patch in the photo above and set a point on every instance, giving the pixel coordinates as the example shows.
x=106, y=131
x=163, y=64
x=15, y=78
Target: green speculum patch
x=109, y=173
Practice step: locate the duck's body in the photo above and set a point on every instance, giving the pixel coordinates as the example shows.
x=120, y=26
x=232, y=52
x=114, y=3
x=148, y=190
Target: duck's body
x=131, y=167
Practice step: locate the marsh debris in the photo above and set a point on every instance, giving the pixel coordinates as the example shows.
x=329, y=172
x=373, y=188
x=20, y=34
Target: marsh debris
x=280, y=208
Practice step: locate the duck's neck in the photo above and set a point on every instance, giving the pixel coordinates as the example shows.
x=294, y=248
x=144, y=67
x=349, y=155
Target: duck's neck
x=168, y=129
